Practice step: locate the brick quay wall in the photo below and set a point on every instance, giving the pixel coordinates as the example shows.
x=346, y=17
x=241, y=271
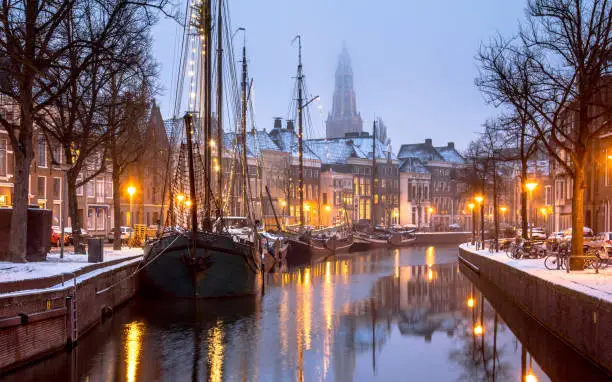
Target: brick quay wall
x=581, y=321
x=37, y=323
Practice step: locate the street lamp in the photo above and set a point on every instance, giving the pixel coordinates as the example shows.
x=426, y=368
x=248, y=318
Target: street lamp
x=131, y=190
x=480, y=200
x=503, y=210
x=430, y=210
x=530, y=186
x=471, y=206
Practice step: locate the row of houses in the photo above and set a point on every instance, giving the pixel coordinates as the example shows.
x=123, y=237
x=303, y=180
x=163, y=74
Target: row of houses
x=422, y=185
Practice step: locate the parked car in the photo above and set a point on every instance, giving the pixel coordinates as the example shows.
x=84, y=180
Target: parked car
x=588, y=233
x=601, y=240
x=56, y=236
x=125, y=234
x=537, y=233
x=68, y=234
x=556, y=236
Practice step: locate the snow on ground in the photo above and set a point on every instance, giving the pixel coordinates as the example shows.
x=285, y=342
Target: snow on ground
x=598, y=285
x=55, y=265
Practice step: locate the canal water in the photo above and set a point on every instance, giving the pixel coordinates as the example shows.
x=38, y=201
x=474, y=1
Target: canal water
x=410, y=314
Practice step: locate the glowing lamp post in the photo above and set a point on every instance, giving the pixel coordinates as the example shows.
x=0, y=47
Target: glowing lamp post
x=430, y=210
x=470, y=302
x=471, y=206
x=480, y=200
x=530, y=186
x=131, y=190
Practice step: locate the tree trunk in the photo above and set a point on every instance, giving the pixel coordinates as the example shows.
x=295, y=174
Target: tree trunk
x=116, y=210
x=19, y=218
x=524, y=224
x=577, y=262
x=73, y=209
x=495, y=208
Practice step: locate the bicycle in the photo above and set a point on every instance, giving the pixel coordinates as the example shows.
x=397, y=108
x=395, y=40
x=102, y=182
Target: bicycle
x=557, y=260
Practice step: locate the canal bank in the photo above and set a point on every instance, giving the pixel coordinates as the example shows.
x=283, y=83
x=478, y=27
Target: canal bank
x=439, y=238
x=47, y=314
x=578, y=314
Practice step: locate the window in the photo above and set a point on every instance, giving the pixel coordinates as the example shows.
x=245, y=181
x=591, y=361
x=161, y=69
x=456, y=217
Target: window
x=100, y=187
x=42, y=152
x=42, y=187
x=79, y=190
x=57, y=188
x=324, y=197
x=548, y=196
x=108, y=189
x=89, y=188
x=57, y=156
x=3, y=157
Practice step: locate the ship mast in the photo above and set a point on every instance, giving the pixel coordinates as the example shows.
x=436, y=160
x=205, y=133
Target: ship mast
x=373, y=170
x=243, y=123
x=300, y=100
x=192, y=190
x=219, y=166
x=208, y=112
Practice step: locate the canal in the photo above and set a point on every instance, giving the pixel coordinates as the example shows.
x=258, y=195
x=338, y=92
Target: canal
x=385, y=315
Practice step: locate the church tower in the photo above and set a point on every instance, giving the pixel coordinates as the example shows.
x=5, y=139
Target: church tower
x=344, y=117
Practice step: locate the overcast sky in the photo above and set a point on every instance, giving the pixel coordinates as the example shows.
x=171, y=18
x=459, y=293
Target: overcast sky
x=413, y=61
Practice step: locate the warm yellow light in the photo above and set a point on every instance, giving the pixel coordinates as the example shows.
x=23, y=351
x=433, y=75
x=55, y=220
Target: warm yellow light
x=478, y=330
x=133, y=345
x=430, y=210
x=180, y=198
x=478, y=198
x=283, y=203
x=470, y=302
x=2, y=199
x=131, y=190
x=306, y=207
x=327, y=207
x=212, y=143
x=471, y=206
x=531, y=378
x=609, y=156
x=217, y=168
x=543, y=211
x=430, y=275
x=503, y=209
x=531, y=185
x=188, y=203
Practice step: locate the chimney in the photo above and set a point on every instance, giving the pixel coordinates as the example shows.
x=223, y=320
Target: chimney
x=451, y=145
x=290, y=126
x=428, y=142
x=278, y=123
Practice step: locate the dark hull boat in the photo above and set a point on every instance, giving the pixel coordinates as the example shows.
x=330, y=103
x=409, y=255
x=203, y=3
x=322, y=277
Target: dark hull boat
x=364, y=241
x=220, y=266
x=313, y=250
x=402, y=239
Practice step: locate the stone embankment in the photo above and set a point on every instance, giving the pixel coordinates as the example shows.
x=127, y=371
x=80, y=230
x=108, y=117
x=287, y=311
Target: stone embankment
x=575, y=307
x=40, y=316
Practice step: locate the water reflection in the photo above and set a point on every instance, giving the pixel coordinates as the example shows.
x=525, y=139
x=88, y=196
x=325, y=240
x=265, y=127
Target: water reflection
x=382, y=315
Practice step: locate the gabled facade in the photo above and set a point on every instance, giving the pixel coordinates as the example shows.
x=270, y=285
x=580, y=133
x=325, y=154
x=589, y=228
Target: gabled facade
x=447, y=185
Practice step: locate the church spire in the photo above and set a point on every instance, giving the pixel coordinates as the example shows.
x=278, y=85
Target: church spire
x=344, y=117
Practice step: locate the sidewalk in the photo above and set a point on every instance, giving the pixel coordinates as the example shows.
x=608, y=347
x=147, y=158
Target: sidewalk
x=598, y=285
x=39, y=275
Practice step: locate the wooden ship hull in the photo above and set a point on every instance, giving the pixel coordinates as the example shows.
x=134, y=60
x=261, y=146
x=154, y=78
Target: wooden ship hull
x=220, y=267
x=316, y=249
x=364, y=242
x=399, y=239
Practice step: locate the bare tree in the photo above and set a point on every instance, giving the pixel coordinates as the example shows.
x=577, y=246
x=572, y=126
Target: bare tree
x=563, y=51
x=30, y=43
x=104, y=43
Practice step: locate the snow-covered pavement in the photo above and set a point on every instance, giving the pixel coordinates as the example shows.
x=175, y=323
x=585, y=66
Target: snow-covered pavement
x=56, y=266
x=598, y=285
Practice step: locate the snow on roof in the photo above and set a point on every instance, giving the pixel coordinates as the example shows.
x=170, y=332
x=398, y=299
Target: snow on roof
x=339, y=150
x=413, y=165
x=450, y=155
x=423, y=151
x=287, y=141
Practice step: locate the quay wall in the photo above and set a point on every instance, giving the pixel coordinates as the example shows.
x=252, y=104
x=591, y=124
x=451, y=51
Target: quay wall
x=581, y=321
x=432, y=238
x=37, y=323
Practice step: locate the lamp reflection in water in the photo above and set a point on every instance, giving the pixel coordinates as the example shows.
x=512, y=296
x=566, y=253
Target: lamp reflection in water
x=216, y=350
x=133, y=345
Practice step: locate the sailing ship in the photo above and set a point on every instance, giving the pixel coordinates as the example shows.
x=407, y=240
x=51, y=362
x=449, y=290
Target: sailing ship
x=197, y=256
x=307, y=245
